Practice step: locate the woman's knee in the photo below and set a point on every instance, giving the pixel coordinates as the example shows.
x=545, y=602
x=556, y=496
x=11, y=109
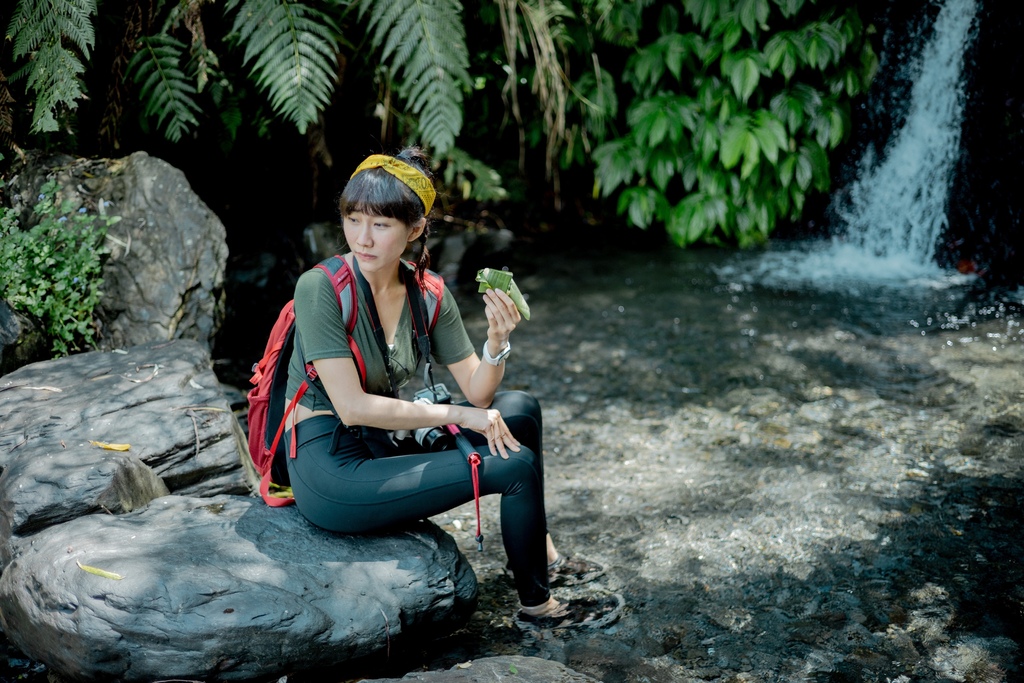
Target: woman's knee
x=528, y=457
x=517, y=402
x=521, y=470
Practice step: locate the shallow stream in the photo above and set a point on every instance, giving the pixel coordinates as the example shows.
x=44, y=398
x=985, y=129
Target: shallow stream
x=785, y=483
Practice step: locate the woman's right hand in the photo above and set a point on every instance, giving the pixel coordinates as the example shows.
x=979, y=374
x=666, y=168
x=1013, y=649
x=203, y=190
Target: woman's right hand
x=489, y=422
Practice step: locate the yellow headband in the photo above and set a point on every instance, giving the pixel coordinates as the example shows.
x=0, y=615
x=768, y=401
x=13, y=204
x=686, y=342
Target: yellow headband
x=417, y=182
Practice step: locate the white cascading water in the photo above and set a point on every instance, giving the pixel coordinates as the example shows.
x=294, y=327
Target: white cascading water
x=895, y=212
x=891, y=218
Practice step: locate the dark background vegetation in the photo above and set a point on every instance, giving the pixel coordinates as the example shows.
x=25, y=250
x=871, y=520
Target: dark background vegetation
x=267, y=181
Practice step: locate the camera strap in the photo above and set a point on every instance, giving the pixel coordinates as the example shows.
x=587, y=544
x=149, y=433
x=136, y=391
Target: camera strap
x=418, y=307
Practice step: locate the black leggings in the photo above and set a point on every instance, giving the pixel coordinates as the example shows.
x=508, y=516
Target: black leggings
x=340, y=486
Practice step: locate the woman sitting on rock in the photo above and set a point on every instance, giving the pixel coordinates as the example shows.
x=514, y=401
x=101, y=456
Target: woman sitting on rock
x=352, y=471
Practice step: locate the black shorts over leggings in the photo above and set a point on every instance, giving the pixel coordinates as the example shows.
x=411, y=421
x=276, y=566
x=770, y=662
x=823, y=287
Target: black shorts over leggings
x=339, y=485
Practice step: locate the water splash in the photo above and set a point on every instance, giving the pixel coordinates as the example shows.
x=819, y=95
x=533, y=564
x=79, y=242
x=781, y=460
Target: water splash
x=888, y=222
x=897, y=209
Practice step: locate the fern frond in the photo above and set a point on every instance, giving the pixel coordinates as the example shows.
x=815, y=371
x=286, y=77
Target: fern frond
x=165, y=90
x=293, y=51
x=30, y=25
x=36, y=22
x=39, y=30
x=53, y=75
x=390, y=24
x=424, y=44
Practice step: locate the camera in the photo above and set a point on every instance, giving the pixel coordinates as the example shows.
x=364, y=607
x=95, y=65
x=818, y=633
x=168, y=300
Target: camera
x=433, y=438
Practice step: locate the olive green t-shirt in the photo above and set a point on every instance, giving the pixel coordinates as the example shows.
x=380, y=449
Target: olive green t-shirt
x=320, y=329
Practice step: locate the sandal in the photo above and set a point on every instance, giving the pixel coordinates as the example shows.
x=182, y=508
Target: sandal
x=587, y=612
x=572, y=571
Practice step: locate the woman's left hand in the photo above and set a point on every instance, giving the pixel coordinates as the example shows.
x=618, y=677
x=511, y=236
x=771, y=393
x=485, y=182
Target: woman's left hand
x=502, y=316
x=488, y=422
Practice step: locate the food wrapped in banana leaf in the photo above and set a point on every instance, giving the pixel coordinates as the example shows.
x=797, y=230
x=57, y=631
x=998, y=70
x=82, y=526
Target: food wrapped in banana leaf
x=502, y=279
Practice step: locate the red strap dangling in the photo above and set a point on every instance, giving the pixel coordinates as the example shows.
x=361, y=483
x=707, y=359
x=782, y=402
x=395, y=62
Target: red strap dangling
x=284, y=420
x=474, y=464
x=473, y=458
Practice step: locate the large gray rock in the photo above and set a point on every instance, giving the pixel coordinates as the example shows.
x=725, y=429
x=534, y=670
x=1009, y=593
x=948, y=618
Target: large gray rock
x=165, y=280
x=163, y=400
x=224, y=588
x=164, y=277
x=214, y=586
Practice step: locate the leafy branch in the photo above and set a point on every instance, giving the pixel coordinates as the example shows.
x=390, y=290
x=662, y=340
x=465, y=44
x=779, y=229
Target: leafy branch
x=730, y=131
x=54, y=267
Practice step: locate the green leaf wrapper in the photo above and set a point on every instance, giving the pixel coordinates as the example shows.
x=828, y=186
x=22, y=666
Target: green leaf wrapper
x=489, y=278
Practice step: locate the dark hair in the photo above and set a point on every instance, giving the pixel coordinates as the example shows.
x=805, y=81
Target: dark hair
x=378, y=193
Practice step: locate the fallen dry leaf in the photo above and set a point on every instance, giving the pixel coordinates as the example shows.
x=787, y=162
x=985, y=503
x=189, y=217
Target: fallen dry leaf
x=99, y=572
x=112, y=446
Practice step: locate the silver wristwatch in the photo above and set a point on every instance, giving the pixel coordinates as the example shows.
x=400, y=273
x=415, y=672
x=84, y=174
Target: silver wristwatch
x=500, y=358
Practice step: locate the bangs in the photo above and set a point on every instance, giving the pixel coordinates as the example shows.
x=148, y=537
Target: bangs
x=376, y=192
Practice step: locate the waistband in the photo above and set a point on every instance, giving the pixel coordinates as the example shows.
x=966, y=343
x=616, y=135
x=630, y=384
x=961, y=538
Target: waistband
x=316, y=427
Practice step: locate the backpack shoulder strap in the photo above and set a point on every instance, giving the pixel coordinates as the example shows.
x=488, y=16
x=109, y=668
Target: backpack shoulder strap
x=432, y=287
x=344, y=283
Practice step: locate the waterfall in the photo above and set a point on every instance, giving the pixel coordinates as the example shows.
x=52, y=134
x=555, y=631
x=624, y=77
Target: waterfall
x=894, y=214
x=886, y=224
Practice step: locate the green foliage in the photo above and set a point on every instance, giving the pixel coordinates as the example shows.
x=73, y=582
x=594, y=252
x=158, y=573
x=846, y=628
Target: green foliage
x=292, y=48
x=289, y=48
x=730, y=122
x=424, y=43
x=53, y=269
x=472, y=177
x=166, y=92
x=44, y=34
x=718, y=127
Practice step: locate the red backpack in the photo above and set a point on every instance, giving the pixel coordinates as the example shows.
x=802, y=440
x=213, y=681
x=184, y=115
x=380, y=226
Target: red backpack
x=267, y=411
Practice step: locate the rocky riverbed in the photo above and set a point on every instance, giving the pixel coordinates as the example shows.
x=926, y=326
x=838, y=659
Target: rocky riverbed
x=784, y=485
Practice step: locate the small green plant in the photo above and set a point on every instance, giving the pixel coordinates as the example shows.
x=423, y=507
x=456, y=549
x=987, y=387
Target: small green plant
x=53, y=269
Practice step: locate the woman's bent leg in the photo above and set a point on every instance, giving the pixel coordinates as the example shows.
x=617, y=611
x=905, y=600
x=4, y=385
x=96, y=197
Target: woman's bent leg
x=522, y=414
x=340, y=487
